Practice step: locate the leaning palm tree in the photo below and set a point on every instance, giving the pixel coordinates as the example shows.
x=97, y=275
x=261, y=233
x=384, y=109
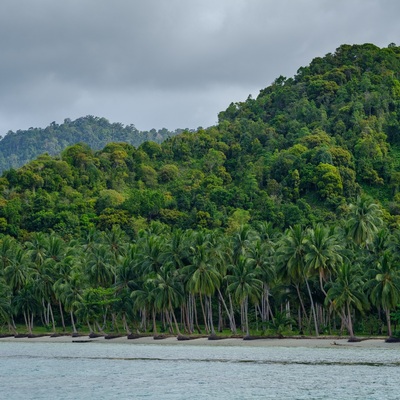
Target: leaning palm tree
x=347, y=292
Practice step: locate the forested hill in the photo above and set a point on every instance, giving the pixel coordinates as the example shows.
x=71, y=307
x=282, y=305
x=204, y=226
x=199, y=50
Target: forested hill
x=18, y=148
x=300, y=152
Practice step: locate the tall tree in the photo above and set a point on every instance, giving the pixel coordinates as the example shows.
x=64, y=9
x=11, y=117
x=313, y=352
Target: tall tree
x=347, y=292
x=365, y=218
x=323, y=252
x=385, y=286
x=245, y=285
x=291, y=255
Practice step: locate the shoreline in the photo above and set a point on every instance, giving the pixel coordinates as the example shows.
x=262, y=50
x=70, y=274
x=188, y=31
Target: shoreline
x=321, y=342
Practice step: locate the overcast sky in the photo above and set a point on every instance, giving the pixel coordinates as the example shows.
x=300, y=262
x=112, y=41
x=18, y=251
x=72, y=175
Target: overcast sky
x=166, y=63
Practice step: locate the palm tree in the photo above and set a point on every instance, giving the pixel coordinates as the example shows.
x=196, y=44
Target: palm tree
x=290, y=257
x=144, y=301
x=25, y=301
x=154, y=252
x=69, y=292
x=244, y=285
x=5, y=305
x=203, y=277
x=68, y=280
x=8, y=246
x=98, y=266
x=127, y=279
x=364, y=221
x=19, y=270
x=168, y=292
x=346, y=292
x=323, y=252
x=262, y=252
x=385, y=286
x=242, y=240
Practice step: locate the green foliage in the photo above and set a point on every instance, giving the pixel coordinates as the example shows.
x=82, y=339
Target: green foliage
x=300, y=152
x=18, y=148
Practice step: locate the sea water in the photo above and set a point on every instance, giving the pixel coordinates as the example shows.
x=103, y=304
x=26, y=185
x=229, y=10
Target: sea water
x=135, y=371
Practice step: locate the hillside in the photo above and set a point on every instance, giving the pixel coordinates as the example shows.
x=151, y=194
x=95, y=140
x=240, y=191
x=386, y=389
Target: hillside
x=300, y=152
x=20, y=147
x=281, y=219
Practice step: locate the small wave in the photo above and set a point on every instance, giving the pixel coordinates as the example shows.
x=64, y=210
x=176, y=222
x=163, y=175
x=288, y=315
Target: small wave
x=215, y=360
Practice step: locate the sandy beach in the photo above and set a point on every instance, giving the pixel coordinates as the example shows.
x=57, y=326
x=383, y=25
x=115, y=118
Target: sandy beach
x=285, y=342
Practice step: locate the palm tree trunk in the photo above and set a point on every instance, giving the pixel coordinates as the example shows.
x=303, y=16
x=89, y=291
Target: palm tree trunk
x=204, y=314
x=349, y=321
x=88, y=324
x=62, y=315
x=31, y=324
x=26, y=321
x=153, y=312
x=220, y=321
x=52, y=316
x=45, y=315
x=11, y=328
x=175, y=321
x=210, y=316
x=196, y=321
x=246, y=315
x=321, y=284
x=301, y=304
x=389, y=324
x=230, y=316
x=73, y=322
x=312, y=307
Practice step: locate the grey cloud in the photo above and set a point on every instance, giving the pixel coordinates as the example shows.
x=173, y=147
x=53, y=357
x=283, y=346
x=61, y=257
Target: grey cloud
x=155, y=63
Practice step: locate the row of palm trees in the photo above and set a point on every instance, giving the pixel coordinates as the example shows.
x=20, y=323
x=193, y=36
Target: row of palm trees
x=310, y=278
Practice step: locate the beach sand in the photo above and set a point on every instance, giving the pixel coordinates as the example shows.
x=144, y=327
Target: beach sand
x=285, y=342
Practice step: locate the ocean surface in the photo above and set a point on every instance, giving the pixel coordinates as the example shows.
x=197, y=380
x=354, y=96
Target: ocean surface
x=141, y=371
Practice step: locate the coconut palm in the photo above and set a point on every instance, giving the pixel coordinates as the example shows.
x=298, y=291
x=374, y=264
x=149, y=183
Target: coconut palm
x=245, y=285
x=290, y=258
x=365, y=218
x=154, y=252
x=68, y=293
x=242, y=240
x=144, y=301
x=37, y=248
x=5, y=305
x=262, y=252
x=168, y=292
x=25, y=302
x=127, y=279
x=203, y=278
x=8, y=246
x=347, y=292
x=323, y=252
x=19, y=270
x=98, y=266
x=385, y=286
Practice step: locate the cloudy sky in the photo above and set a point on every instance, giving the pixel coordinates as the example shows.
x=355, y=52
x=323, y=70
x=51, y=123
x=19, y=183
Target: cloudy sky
x=166, y=63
